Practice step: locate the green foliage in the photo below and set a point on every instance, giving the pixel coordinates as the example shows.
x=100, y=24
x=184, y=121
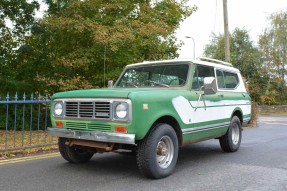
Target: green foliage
x=273, y=45
x=82, y=44
x=273, y=49
x=16, y=18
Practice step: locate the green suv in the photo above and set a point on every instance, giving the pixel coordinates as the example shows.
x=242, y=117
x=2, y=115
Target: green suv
x=152, y=110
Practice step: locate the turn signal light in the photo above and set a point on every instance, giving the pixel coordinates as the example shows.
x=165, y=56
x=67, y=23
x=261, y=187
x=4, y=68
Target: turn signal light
x=59, y=124
x=120, y=129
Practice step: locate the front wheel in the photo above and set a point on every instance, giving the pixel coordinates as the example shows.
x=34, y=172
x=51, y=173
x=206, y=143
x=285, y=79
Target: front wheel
x=73, y=154
x=231, y=141
x=157, y=153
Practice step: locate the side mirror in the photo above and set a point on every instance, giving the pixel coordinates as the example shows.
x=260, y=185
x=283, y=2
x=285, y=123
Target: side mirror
x=110, y=83
x=209, y=86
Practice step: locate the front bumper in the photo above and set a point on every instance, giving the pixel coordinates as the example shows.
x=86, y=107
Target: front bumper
x=93, y=136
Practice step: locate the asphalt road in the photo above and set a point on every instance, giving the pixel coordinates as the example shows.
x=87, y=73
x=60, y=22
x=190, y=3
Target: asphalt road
x=259, y=164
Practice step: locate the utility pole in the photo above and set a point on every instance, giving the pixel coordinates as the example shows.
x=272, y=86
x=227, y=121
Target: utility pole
x=226, y=32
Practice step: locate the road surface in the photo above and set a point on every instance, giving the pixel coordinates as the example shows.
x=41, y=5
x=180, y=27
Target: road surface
x=259, y=164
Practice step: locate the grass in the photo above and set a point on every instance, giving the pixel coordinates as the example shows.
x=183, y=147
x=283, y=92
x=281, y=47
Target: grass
x=18, y=143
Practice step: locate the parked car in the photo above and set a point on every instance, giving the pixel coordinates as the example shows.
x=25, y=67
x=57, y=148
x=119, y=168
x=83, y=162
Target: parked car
x=153, y=109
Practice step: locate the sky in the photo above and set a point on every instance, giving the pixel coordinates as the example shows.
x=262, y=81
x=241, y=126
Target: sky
x=248, y=14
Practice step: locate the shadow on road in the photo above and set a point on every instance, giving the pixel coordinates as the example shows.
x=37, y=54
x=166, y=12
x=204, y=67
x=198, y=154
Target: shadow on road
x=117, y=165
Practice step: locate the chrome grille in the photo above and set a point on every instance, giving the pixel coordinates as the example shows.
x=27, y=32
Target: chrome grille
x=72, y=109
x=102, y=109
x=88, y=109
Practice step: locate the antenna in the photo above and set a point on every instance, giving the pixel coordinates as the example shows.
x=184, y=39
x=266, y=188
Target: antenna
x=105, y=66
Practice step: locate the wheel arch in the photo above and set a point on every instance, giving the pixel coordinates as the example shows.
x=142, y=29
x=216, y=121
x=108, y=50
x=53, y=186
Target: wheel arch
x=173, y=123
x=238, y=112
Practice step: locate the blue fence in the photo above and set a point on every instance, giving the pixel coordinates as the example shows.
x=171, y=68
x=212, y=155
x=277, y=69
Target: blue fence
x=24, y=122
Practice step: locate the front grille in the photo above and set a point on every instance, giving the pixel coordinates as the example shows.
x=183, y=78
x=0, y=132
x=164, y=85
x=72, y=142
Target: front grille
x=72, y=109
x=88, y=109
x=88, y=126
x=102, y=110
x=73, y=125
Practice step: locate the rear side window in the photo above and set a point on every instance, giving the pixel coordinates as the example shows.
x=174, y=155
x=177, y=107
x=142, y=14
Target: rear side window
x=226, y=80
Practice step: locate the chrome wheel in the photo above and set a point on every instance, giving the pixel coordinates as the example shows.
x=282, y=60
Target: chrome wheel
x=235, y=134
x=164, y=152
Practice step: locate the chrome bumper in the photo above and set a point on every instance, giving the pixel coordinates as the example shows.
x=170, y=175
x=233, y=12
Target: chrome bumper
x=93, y=136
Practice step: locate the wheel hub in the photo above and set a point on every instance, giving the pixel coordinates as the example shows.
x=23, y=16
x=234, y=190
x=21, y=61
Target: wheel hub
x=164, y=152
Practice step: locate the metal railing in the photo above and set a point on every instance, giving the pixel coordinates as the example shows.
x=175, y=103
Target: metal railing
x=24, y=122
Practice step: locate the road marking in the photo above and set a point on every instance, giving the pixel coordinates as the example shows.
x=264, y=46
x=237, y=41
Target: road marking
x=30, y=158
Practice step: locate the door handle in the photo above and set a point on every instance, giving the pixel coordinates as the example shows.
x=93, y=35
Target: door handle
x=220, y=95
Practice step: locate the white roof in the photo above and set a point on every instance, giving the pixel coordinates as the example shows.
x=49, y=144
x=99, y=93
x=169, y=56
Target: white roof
x=204, y=61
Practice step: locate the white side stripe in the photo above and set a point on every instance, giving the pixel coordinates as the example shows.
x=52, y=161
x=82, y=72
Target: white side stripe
x=188, y=114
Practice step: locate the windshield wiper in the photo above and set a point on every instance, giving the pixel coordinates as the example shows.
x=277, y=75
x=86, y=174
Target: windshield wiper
x=157, y=83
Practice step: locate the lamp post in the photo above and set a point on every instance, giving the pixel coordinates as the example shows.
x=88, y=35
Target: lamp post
x=193, y=41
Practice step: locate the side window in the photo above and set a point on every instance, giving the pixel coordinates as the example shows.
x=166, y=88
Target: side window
x=195, y=85
x=220, y=79
x=200, y=73
x=226, y=80
x=231, y=80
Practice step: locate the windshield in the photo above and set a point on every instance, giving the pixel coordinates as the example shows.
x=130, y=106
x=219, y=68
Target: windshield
x=165, y=75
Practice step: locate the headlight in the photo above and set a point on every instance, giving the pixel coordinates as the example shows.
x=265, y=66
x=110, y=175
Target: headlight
x=121, y=110
x=58, y=109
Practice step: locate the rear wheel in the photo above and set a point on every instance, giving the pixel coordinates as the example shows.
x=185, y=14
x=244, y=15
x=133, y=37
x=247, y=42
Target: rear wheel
x=231, y=141
x=157, y=153
x=73, y=154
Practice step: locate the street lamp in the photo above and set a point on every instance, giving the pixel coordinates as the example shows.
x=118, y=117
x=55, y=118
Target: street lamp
x=193, y=41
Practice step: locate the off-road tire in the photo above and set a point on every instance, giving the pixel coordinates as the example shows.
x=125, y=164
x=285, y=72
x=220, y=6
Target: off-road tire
x=157, y=153
x=73, y=154
x=231, y=141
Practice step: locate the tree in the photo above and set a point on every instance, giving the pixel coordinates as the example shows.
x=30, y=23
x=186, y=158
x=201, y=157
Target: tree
x=273, y=48
x=81, y=44
x=244, y=56
x=16, y=18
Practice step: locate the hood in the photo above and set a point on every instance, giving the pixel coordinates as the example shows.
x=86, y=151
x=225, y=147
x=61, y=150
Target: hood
x=101, y=93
